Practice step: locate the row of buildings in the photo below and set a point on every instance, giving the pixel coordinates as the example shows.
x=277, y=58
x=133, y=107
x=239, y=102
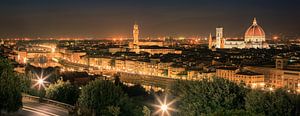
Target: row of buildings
x=283, y=75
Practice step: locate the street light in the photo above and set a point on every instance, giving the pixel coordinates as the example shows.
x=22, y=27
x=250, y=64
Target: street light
x=40, y=80
x=164, y=106
x=271, y=89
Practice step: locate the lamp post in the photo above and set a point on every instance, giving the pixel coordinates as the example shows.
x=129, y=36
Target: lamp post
x=40, y=82
x=164, y=107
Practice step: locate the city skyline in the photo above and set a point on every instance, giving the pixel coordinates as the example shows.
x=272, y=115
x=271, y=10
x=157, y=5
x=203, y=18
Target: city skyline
x=149, y=58
x=114, y=19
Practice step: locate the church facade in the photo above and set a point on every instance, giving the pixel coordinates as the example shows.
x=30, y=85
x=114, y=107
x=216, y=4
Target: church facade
x=254, y=38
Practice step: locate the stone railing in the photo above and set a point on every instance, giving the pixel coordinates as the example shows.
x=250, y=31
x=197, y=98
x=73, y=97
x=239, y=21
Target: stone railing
x=70, y=108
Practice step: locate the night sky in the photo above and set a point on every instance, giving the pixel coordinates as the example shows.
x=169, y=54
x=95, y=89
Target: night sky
x=114, y=18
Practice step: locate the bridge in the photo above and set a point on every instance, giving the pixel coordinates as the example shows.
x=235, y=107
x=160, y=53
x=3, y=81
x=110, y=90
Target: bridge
x=133, y=78
x=148, y=80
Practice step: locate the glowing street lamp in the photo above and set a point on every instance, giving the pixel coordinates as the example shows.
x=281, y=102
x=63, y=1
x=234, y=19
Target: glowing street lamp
x=271, y=89
x=164, y=106
x=40, y=80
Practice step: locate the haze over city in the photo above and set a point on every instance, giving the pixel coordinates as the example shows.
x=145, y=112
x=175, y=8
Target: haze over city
x=113, y=18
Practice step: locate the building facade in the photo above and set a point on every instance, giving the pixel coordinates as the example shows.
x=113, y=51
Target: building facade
x=241, y=76
x=280, y=76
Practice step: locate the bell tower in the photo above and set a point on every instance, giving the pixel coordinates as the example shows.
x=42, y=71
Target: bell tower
x=136, y=35
x=219, y=36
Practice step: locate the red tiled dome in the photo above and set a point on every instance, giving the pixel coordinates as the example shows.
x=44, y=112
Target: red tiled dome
x=255, y=30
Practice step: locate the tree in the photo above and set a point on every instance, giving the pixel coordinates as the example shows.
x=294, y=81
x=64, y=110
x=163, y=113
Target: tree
x=10, y=90
x=276, y=103
x=25, y=83
x=63, y=92
x=117, y=80
x=100, y=97
x=208, y=96
x=233, y=113
x=136, y=91
x=146, y=111
x=113, y=110
x=132, y=91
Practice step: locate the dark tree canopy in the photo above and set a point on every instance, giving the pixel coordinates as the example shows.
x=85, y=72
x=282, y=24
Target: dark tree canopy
x=208, y=96
x=10, y=90
x=103, y=97
x=278, y=103
x=220, y=97
x=63, y=91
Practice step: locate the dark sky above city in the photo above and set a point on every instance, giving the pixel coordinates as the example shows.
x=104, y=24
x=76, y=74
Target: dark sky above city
x=114, y=18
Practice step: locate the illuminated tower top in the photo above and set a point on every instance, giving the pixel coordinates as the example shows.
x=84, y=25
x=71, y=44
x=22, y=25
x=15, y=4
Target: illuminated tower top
x=219, y=36
x=136, y=34
x=219, y=32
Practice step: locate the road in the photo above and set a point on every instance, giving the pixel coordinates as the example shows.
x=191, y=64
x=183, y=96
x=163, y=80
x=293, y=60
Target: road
x=33, y=108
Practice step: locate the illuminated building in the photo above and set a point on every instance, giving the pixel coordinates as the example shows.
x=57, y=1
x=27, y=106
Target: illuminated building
x=280, y=76
x=177, y=72
x=159, y=50
x=219, y=36
x=137, y=42
x=117, y=49
x=236, y=75
x=198, y=75
x=151, y=43
x=210, y=42
x=152, y=67
x=22, y=56
x=37, y=58
x=136, y=46
x=152, y=47
x=254, y=38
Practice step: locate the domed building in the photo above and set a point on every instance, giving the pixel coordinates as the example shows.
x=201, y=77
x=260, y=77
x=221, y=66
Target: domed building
x=255, y=36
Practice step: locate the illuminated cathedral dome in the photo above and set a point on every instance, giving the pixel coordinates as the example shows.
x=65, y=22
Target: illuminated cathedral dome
x=255, y=34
